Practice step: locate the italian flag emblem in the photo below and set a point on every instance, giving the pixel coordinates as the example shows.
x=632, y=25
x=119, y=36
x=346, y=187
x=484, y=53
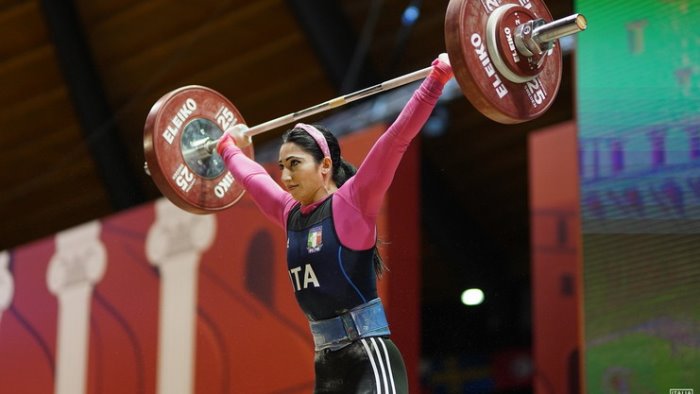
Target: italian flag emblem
x=315, y=240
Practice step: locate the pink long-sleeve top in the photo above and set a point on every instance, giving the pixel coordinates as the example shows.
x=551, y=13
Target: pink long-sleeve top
x=357, y=202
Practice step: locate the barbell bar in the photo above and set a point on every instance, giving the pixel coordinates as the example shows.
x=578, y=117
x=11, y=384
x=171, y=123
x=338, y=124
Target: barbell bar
x=208, y=147
x=543, y=37
x=504, y=56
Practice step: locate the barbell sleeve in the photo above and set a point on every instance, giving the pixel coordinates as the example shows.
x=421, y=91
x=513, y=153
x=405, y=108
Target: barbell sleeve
x=559, y=28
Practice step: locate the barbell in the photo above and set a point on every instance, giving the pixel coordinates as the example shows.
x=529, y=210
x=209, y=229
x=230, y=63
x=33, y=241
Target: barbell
x=504, y=56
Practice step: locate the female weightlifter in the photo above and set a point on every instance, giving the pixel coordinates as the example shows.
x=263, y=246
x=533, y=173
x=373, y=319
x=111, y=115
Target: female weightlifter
x=329, y=212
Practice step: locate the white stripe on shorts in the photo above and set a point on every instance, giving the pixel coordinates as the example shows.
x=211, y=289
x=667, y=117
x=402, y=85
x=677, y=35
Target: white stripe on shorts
x=381, y=366
x=374, y=367
x=388, y=365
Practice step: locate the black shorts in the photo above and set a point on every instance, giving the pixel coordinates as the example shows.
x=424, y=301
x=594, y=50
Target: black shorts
x=369, y=365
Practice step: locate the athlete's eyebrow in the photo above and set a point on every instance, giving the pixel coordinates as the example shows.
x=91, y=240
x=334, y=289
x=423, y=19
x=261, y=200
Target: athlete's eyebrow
x=289, y=158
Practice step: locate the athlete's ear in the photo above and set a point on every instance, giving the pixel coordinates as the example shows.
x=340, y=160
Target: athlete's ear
x=326, y=165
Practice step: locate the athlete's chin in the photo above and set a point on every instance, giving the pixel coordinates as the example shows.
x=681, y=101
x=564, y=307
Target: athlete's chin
x=298, y=196
x=303, y=199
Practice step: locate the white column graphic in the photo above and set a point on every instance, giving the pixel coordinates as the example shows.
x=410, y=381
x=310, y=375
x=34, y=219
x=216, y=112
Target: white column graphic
x=7, y=285
x=78, y=264
x=175, y=244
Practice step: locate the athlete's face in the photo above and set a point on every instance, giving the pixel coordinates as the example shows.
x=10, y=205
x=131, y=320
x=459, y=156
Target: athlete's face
x=305, y=179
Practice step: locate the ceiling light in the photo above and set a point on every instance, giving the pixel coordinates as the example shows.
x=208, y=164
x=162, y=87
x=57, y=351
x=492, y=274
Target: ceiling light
x=472, y=297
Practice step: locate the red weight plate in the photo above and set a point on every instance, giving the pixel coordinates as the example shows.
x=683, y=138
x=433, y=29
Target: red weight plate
x=488, y=90
x=177, y=124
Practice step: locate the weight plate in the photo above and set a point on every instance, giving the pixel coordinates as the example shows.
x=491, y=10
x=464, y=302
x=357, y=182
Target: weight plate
x=177, y=127
x=485, y=87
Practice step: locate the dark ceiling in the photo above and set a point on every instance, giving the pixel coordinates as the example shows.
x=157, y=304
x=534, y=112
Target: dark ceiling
x=78, y=79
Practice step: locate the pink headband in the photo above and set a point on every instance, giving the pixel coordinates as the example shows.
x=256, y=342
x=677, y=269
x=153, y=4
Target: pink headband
x=317, y=136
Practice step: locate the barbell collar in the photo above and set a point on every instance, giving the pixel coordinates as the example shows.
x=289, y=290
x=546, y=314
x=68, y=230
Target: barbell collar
x=542, y=35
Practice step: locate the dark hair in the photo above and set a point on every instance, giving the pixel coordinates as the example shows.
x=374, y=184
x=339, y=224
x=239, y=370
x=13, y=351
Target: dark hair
x=342, y=170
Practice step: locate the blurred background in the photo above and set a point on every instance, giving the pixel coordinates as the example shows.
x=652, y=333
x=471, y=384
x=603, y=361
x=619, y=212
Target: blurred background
x=79, y=78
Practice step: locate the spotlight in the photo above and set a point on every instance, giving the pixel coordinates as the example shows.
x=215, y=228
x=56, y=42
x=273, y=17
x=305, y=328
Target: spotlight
x=410, y=15
x=472, y=297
